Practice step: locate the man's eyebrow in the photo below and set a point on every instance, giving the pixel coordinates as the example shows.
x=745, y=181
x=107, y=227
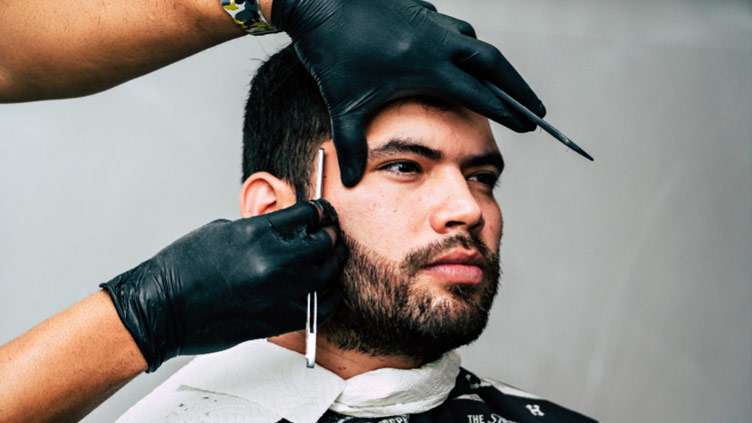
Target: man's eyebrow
x=492, y=158
x=405, y=145
x=408, y=145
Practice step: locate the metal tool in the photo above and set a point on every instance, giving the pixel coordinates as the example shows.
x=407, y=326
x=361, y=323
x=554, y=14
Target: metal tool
x=538, y=121
x=312, y=299
x=310, y=341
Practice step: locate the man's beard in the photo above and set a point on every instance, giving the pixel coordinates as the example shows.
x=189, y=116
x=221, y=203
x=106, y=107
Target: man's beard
x=383, y=312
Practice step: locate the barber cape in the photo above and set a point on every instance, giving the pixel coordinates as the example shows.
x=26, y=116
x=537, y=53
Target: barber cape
x=260, y=382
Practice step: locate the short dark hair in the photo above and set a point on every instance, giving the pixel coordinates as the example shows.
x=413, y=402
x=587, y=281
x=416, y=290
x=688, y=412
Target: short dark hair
x=286, y=120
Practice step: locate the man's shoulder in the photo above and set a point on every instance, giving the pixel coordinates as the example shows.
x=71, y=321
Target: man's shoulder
x=498, y=402
x=180, y=399
x=175, y=402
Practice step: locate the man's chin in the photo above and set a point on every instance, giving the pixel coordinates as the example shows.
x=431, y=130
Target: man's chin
x=456, y=294
x=421, y=344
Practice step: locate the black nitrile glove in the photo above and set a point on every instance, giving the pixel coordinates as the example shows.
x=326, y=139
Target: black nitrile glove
x=364, y=53
x=229, y=282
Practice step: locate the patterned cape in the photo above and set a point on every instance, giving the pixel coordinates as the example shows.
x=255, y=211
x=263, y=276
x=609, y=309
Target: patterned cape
x=476, y=400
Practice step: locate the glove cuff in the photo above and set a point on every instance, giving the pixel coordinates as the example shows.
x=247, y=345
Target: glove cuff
x=297, y=17
x=246, y=15
x=137, y=303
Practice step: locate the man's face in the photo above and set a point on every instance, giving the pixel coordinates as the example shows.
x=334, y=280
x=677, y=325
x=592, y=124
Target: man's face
x=423, y=228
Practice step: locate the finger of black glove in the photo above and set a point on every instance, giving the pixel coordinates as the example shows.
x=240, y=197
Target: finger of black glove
x=330, y=297
x=317, y=247
x=348, y=134
x=458, y=25
x=470, y=93
x=214, y=222
x=342, y=253
x=485, y=61
x=328, y=302
x=326, y=276
x=426, y=4
x=327, y=214
x=288, y=222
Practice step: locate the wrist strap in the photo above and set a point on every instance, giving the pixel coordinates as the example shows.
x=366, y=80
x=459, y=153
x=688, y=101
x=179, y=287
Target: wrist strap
x=247, y=16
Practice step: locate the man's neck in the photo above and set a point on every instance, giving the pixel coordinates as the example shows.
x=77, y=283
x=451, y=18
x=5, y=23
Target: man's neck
x=344, y=364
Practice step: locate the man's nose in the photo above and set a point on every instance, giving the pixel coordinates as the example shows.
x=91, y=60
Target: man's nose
x=456, y=208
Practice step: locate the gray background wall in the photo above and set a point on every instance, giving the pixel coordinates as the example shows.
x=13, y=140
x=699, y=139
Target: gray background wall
x=627, y=282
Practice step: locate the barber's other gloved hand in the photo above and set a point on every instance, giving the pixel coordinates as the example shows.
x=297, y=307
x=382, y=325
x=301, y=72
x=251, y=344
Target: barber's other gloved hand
x=229, y=282
x=364, y=53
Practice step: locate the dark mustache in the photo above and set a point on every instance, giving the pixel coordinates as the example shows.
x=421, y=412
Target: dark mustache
x=422, y=256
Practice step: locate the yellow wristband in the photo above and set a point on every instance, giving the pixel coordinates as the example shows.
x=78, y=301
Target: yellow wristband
x=247, y=16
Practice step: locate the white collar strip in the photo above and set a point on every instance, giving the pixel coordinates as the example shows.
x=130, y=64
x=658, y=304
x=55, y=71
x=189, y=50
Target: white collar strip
x=391, y=392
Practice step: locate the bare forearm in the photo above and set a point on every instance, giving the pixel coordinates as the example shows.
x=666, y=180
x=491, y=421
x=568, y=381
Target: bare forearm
x=63, y=368
x=55, y=50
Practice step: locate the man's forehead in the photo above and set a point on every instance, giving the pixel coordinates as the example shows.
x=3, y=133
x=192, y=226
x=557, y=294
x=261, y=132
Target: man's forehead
x=423, y=125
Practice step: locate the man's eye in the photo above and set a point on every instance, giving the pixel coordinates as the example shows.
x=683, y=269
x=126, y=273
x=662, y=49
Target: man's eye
x=488, y=179
x=402, y=167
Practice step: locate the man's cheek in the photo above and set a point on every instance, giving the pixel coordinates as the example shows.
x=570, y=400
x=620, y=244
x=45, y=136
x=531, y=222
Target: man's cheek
x=371, y=226
x=494, y=227
x=354, y=221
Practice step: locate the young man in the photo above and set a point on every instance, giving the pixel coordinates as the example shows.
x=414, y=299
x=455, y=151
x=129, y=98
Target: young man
x=423, y=231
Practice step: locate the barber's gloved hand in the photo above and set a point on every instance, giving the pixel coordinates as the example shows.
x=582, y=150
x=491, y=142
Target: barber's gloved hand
x=364, y=53
x=229, y=282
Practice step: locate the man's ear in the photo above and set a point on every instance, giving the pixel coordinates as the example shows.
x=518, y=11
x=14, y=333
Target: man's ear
x=264, y=193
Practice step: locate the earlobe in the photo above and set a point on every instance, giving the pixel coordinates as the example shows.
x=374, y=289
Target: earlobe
x=264, y=193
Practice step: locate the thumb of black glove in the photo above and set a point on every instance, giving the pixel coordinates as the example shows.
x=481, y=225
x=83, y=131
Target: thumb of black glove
x=364, y=53
x=229, y=282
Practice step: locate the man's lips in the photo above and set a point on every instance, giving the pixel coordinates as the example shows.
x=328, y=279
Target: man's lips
x=458, y=266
